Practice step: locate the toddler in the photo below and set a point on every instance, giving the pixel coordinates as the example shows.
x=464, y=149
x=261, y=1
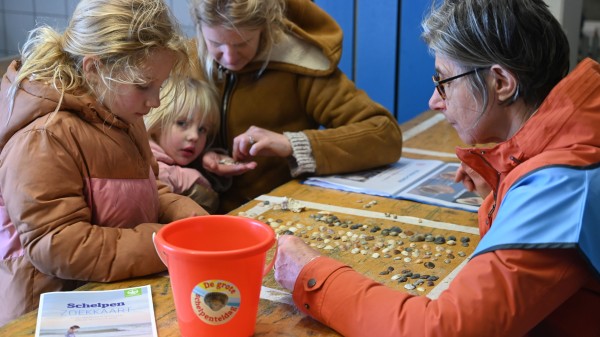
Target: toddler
x=179, y=131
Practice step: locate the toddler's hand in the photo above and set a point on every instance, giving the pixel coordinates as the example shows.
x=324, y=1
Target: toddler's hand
x=225, y=166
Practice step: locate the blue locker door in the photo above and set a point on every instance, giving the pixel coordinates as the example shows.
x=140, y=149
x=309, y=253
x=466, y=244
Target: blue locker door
x=376, y=50
x=343, y=13
x=383, y=51
x=416, y=65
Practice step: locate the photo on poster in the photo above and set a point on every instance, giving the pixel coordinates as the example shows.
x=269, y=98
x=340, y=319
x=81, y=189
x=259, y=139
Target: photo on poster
x=421, y=180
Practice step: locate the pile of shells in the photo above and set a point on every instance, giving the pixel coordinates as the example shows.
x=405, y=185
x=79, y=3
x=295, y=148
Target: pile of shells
x=330, y=233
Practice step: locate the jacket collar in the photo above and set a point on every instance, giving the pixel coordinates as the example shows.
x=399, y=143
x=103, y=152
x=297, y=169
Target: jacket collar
x=570, y=115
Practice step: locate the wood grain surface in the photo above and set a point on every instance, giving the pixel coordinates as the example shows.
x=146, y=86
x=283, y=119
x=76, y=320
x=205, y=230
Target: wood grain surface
x=437, y=140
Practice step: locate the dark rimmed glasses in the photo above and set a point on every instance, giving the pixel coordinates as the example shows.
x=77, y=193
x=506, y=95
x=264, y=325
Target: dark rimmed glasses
x=439, y=83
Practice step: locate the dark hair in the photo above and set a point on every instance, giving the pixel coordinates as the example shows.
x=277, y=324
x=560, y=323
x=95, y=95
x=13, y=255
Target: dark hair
x=520, y=35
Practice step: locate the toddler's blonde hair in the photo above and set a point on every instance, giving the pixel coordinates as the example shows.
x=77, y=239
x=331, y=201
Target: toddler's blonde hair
x=184, y=98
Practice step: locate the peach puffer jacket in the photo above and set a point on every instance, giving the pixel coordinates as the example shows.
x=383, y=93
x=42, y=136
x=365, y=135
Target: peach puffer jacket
x=79, y=199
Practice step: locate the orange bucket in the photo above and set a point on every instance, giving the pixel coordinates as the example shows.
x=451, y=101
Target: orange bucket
x=216, y=264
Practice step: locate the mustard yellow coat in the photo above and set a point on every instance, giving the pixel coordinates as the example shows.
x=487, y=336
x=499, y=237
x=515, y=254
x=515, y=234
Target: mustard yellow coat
x=302, y=89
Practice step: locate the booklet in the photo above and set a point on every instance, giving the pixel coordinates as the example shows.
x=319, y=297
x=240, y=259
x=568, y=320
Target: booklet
x=120, y=312
x=421, y=180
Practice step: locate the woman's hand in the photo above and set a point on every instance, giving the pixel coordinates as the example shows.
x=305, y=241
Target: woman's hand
x=472, y=181
x=225, y=166
x=292, y=255
x=260, y=142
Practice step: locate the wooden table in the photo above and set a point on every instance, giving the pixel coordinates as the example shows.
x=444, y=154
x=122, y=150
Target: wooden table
x=427, y=136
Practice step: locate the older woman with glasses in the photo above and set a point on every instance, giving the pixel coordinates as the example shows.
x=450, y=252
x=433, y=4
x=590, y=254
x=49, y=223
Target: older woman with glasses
x=501, y=78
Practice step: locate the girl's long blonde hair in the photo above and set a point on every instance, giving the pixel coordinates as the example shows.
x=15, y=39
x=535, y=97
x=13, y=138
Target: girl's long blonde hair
x=119, y=34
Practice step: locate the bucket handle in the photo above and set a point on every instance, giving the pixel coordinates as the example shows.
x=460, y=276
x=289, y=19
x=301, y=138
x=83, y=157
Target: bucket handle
x=272, y=263
x=161, y=255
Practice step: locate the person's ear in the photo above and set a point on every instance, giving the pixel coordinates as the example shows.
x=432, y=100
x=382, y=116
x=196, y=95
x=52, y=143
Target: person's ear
x=90, y=69
x=90, y=64
x=505, y=83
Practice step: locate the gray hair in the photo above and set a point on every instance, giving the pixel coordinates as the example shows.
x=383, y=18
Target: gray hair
x=520, y=35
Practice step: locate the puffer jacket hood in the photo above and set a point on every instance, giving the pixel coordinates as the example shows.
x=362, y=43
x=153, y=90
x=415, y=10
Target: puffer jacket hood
x=35, y=100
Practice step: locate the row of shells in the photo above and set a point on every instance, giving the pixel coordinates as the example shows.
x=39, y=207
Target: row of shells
x=330, y=233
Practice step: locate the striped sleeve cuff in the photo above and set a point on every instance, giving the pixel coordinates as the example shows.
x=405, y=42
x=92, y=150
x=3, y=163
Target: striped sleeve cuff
x=302, y=160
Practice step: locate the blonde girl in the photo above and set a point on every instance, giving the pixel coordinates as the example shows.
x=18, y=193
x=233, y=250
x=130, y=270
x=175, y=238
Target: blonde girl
x=79, y=199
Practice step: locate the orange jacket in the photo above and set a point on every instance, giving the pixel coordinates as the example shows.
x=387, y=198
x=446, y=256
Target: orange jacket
x=506, y=291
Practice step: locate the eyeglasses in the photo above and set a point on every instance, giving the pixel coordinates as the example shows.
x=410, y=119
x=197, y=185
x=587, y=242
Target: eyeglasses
x=439, y=83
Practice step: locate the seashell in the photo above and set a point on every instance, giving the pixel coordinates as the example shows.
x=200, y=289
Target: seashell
x=228, y=161
x=439, y=240
x=292, y=205
x=216, y=300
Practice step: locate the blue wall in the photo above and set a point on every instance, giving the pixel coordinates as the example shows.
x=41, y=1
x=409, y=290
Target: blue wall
x=383, y=52
x=416, y=64
x=343, y=13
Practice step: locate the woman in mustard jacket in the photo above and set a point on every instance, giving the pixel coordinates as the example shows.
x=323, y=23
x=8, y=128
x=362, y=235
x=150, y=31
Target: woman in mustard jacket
x=285, y=105
x=501, y=78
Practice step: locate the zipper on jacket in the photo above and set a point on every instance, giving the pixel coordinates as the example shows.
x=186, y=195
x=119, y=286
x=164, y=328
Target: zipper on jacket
x=230, y=80
x=488, y=221
x=481, y=154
